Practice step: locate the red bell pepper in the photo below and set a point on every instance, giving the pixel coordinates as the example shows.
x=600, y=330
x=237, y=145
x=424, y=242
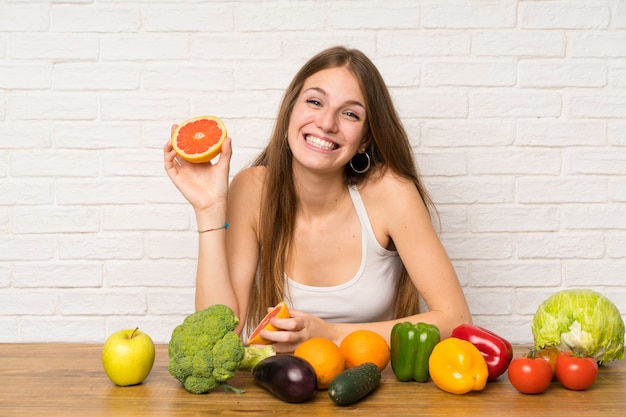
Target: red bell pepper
x=496, y=350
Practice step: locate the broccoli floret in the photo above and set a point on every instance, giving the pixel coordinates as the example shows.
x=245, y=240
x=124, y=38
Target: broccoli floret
x=199, y=385
x=227, y=355
x=205, y=352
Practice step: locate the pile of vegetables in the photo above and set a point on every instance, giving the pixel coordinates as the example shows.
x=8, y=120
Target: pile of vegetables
x=574, y=331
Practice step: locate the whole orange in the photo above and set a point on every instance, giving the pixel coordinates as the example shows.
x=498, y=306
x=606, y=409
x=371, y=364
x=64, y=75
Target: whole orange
x=324, y=356
x=363, y=346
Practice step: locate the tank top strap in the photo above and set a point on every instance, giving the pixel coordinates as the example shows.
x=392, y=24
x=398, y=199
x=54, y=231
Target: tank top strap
x=359, y=206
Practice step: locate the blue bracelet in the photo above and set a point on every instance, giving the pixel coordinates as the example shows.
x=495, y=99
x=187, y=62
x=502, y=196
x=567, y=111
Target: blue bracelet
x=215, y=228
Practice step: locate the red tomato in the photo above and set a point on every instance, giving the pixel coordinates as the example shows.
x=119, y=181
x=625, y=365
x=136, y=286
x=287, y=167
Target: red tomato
x=530, y=375
x=576, y=372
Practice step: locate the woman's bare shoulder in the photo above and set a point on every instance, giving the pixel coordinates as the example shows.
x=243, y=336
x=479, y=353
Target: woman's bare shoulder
x=392, y=196
x=386, y=182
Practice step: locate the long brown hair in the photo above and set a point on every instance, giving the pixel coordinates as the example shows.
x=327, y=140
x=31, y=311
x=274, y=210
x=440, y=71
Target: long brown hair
x=388, y=147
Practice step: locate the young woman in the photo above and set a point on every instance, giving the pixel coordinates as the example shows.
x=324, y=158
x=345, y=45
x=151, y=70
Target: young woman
x=331, y=218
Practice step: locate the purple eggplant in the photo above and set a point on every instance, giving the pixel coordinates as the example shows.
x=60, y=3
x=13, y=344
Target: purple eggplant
x=290, y=378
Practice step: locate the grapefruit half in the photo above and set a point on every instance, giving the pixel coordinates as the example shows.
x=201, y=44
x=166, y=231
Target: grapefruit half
x=280, y=311
x=199, y=139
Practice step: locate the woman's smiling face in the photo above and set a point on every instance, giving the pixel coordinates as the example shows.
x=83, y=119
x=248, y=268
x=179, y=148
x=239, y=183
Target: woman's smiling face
x=327, y=123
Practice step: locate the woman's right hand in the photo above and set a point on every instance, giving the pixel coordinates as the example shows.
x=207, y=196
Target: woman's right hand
x=204, y=185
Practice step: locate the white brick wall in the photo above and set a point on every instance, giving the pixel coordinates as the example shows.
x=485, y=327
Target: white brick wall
x=516, y=109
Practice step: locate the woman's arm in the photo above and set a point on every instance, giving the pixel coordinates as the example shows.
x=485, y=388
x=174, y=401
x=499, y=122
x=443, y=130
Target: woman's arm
x=242, y=240
x=205, y=186
x=397, y=212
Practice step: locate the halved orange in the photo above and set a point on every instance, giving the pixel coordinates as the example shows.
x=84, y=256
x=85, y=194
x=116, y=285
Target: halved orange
x=199, y=139
x=280, y=311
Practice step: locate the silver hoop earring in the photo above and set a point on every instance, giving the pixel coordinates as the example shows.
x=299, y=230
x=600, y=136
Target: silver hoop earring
x=363, y=165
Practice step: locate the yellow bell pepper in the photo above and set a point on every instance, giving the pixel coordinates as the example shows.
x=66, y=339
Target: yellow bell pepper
x=457, y=366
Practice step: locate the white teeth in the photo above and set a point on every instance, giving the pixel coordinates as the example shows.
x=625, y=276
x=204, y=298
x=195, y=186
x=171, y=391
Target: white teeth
x=320, y=143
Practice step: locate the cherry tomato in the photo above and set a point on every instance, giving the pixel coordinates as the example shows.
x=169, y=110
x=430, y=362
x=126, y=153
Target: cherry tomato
x=530, y=375
x=549, y=354
x=576, y=372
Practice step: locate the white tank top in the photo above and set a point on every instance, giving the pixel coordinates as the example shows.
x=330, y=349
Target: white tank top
x=368, y=297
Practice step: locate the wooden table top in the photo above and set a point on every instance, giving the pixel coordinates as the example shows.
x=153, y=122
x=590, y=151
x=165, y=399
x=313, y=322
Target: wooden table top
x=68, y=380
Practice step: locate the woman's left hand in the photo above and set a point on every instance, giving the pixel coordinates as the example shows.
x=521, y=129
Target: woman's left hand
x=295, y=330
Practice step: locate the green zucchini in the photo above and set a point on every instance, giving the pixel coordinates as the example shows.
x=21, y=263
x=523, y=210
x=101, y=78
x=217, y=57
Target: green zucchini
x=354, y=384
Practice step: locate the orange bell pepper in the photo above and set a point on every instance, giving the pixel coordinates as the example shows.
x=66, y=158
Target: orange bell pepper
x=457, y=366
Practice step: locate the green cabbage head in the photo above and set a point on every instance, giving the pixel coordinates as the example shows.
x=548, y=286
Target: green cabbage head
x=580, y=320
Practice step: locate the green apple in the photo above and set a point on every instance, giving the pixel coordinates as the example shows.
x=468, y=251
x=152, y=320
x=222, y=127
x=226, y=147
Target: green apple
x=128, y=356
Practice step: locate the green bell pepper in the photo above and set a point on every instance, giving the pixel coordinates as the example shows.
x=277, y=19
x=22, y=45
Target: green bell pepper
x=411, y=346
